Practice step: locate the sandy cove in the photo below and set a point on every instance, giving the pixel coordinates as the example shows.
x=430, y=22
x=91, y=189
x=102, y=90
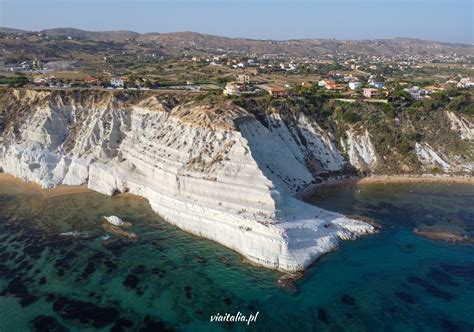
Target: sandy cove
x=386, y=179
x=416, y=179
x=61, y=190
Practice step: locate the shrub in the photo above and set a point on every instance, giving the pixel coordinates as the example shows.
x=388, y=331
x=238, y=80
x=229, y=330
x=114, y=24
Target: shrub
x=415, y=136
x=351, y=117
x=436, y=170
x=389, y=110
x=404, y=147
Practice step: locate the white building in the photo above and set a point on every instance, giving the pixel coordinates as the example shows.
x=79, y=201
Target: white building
x=378, y=85
x=322, y=83
x=234, y=89
x=116, y=82
x=417, y=93
x=244, y=79
x=465, y=83
x=355, y=85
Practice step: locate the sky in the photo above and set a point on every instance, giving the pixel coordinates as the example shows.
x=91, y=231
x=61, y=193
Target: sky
x=440, y=20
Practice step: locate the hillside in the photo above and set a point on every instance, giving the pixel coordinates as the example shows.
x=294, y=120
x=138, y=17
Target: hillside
x=119, y=36
x=300, y=47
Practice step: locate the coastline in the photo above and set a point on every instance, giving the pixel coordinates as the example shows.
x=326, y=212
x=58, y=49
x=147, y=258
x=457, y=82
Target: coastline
x=62, y=190
x=386, y=179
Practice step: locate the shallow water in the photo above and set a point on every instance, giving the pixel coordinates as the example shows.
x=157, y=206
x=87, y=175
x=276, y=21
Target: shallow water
x=168, y=279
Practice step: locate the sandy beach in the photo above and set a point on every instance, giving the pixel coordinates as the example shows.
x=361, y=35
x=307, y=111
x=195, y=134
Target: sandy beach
x=53, y=192
x=416, y=179
x=388, y=179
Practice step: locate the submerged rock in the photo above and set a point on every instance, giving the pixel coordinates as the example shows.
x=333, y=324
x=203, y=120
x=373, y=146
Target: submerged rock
x=131, y=281
x=405, y=297
x=121, y=325
x=44, y=323
x=430, y=288
x=77, y=234
x=116, y=230
x=187, y=291
x=440, y=234
x=347, y=299
x=85, y=313
x=464, y=271
x=151, y=324
x=441, y=277
x=323, y=316
x=289, y=280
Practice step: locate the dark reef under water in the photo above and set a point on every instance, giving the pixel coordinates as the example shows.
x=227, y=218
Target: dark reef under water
x=171, y=280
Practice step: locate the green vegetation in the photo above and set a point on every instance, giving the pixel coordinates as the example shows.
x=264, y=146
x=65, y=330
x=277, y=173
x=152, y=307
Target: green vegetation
x=14, y=81
x=223, y=80
x=351, y=117
x=395, y=127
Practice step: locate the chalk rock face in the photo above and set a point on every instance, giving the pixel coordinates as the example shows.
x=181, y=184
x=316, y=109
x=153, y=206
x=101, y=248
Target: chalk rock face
x=360, y=149
x=461, y=125
x=216, y=172
x=431, y=158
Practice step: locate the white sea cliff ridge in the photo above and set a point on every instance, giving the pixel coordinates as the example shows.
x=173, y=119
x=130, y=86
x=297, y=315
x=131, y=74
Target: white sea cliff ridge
x=212, y=171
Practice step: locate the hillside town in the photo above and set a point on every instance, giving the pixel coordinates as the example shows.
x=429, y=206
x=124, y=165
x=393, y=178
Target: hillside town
x=341, y=74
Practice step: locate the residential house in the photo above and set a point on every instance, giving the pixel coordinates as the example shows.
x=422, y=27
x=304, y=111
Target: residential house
x=378, y=85
x=91, y=80
x=234, y=89
x=417, y=93
x=244, y=79
x=322, y=83
x=334, y=87
x=355, y=85
x=277, y=91
x=40, y=80
x=325, y=82
x=372, y=81
x=371, y=93
x=117, y=82
x=350, y=78
x=465, y=83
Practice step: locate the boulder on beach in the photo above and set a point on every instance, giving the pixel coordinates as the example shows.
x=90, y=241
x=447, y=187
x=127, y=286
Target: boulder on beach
x=116, y=221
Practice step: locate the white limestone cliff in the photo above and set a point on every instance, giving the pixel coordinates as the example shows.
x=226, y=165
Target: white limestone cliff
x=430, y=158
x=461, y=125
x=215, y=172
x=360, y=150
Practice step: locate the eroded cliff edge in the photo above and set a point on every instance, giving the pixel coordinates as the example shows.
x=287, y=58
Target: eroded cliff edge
x=215, y=170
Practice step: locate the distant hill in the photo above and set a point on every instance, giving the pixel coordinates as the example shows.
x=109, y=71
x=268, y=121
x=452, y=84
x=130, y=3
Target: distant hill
x=92, y=35
x=177, y=41
x=10, y=30
x=303, y=47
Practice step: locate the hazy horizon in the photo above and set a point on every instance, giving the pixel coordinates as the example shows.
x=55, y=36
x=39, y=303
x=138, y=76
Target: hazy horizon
x=436, y=20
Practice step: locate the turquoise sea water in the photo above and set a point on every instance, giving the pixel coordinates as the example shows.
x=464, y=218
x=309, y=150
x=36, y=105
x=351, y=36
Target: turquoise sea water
x=170, y=280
